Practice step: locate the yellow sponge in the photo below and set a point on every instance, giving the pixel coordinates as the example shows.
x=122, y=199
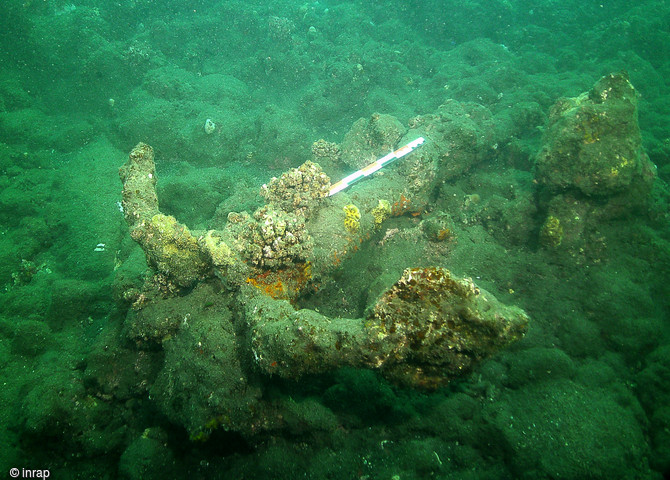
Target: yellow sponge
x=352, y=218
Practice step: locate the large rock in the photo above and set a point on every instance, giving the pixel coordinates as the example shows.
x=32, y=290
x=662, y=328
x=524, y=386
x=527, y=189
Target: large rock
x=591, y=167
x=431, y=327
x=427, y=329
x=592, y=142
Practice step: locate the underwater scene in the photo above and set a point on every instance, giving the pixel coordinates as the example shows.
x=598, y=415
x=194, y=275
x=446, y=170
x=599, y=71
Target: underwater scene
x=335, y=239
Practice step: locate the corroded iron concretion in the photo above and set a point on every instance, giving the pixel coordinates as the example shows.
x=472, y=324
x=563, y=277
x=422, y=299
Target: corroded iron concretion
x=431, y=327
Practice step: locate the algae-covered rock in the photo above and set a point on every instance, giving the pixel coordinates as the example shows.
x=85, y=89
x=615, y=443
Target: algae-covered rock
x=463, y=135
x=591, y=168
x=171, y=249
x=291, y=343
x=431, y=327
x=428, y=329
x=203, y=384
x=169, y=246
x=438, y=227
x=458, y=136
x=221, y=254
x=592, y=142
x=31, y=337
x=370, y=138
x=138, y=176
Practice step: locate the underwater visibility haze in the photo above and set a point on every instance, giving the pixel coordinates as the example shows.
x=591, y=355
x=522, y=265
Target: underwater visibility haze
x=365, y=239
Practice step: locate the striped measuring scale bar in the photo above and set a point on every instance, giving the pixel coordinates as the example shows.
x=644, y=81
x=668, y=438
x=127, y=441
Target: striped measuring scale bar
x=376, y=165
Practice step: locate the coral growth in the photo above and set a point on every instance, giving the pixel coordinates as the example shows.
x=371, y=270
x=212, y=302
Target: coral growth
x=327, y=150
x=298, y=190
x=381, y=212
x=551, y=233
x=275, y=239
x=352, y=218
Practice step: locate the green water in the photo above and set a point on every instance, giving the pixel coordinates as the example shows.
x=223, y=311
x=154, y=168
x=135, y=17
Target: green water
x=586, y=393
